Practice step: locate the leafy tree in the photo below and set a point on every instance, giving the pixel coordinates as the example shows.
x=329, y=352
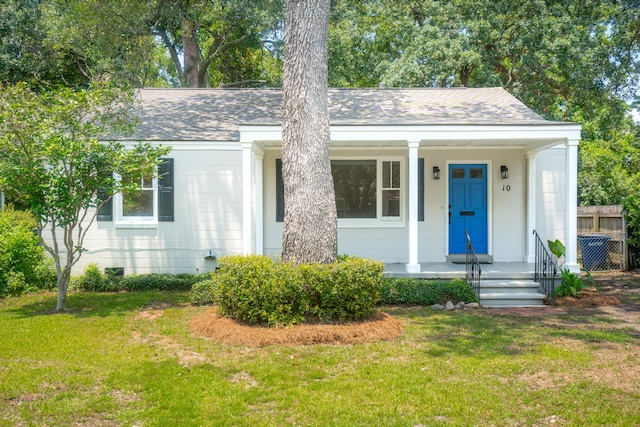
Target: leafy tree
x=213, y=35
x=52, y=161
x=310, y=226
x=187, y=43
x=25, y=53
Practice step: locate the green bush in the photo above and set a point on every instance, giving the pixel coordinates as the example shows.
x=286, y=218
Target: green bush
x=202, y=293
x=349, y=289
x=24, y=267
x=397, y=291
x=160, y=282
x=94, y=280
x=259, y=290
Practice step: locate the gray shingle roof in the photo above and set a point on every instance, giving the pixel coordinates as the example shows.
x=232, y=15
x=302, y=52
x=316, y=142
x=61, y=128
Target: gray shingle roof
x=215, y=114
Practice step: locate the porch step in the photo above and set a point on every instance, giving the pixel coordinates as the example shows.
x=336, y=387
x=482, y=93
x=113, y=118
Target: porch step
x=462, y=258
x=510, y=293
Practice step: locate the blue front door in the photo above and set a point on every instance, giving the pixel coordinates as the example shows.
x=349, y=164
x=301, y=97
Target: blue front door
x=467, y=207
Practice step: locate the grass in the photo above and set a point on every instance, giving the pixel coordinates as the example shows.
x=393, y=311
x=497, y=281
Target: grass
x=129, y=359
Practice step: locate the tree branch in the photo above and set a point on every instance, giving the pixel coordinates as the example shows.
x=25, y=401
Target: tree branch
x=172, y=50
x=215, y=49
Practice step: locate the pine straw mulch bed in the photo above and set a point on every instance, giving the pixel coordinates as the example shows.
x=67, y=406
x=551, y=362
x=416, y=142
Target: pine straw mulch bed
x=587, y=299
x=210, y=324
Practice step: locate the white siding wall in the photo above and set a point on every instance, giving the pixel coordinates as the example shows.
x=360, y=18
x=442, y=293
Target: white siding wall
x=208, y=212
x=551, y=188
x=208, y=215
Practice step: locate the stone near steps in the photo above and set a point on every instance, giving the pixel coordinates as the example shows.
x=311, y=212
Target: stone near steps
x=450, y=306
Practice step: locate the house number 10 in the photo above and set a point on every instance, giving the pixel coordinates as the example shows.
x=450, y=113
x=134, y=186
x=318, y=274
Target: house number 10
x=506, y=187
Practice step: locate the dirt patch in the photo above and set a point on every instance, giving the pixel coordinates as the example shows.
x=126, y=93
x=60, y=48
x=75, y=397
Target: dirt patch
x=212, y=325
x=153, y=311
x=184, y=355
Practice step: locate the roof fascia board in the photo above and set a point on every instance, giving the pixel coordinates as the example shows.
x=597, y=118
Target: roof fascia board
x=524, y=133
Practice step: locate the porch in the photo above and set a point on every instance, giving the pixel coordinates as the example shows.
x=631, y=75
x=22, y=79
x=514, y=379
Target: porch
x=449, y=270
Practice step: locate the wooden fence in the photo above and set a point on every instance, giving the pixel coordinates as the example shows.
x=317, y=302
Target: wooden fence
x=605, y=221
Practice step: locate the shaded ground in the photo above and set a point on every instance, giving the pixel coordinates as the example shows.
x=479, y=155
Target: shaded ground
x=618, y=296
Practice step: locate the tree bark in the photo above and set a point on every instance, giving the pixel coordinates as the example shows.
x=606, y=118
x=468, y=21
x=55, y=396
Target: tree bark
x=191, y=54
x=63, y=285
x=310, y=226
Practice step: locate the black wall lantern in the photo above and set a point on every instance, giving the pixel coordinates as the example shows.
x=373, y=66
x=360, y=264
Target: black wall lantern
x=436, y=172
x=504, y=172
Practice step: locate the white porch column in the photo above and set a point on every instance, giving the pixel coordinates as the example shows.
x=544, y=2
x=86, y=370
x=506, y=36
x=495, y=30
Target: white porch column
x=571, y=230
x=532, y=197
x=413, y=266
x=259, y=156
x=247, y=163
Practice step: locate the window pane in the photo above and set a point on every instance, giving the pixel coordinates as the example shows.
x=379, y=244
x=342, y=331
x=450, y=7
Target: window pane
x=391, y=203
x=147, y=182
x=395, y=174
x=386, y=174
x=354, y=182
x=390, y=174
x=476, y=173
x=457, y=173
x=137, y=203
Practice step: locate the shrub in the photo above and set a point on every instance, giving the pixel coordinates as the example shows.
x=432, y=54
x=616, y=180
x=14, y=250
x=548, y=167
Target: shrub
x=398, y=291
x=160, y=282
x=24, y=267
x=259, y=290
x=202, y=293
x=631, y=208
x=349, y=289
x=94, y=280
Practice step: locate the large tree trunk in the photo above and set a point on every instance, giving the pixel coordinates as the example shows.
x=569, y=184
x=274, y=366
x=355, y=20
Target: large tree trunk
x=310, y=228
x=191, y=54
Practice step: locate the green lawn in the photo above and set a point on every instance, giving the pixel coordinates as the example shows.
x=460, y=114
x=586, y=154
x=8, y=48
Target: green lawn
x=113, y=362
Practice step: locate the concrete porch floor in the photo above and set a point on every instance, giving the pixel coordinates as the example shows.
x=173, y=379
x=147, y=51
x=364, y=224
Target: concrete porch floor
x=448, y=270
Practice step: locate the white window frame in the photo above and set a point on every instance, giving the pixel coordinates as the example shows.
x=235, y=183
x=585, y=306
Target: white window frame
x=122, y=221
x=379, y=221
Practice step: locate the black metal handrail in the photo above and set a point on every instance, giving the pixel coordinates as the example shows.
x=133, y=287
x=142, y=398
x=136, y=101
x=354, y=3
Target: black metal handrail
x=546, y=269
x=473, y=267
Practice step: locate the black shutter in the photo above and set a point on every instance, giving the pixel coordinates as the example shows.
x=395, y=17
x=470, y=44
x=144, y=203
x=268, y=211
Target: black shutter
x=420, y=189
x=165, y=190
x=279, y=192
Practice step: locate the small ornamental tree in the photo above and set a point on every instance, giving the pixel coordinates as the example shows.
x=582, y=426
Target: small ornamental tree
x=52, y=162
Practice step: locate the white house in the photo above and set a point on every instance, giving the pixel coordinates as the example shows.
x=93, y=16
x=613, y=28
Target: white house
x=413, y=168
